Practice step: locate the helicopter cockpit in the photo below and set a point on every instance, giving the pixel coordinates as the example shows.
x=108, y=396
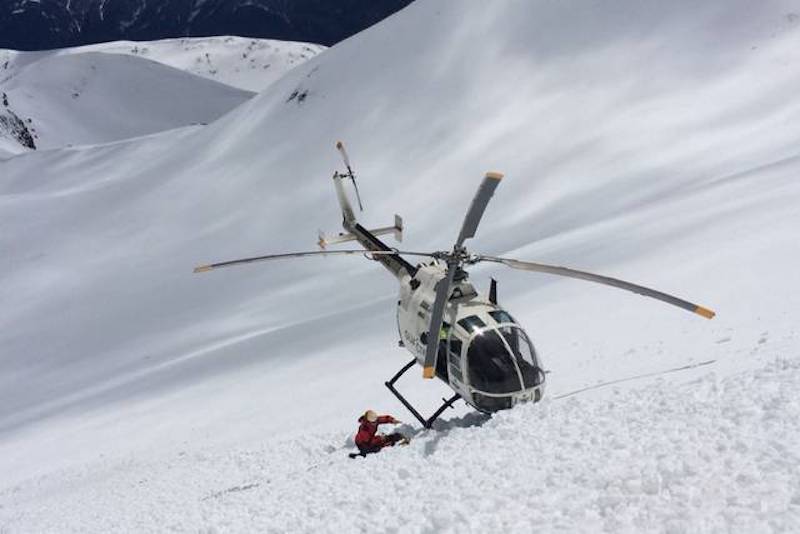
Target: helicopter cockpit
x=502, y=367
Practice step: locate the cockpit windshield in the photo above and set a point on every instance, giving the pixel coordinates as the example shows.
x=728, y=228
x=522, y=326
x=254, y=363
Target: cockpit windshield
x=495, y=369
x=490, y=366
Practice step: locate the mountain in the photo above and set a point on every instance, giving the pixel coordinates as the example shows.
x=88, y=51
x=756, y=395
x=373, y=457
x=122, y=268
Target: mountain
x=655, y=142
x=47, y=24
x=107, y=92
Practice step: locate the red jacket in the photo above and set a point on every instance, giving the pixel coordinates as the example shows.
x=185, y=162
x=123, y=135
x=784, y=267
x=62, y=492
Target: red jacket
x=366, y=431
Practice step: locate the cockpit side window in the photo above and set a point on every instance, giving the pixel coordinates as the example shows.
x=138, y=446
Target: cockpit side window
x=491, y=368
x=502, y=316
x=471, y=323
x=455, y=348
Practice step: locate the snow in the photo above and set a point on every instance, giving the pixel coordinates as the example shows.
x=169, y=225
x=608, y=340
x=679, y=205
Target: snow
x=655, y=142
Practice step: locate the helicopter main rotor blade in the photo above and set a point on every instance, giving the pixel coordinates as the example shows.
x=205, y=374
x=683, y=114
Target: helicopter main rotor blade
x=600, y=279
x=437, y=316
x=478, y=206
x=289, y=255
x=366, y=253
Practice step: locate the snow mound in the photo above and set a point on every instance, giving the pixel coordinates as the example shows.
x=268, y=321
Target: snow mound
x=93, y=98
x=711, y=455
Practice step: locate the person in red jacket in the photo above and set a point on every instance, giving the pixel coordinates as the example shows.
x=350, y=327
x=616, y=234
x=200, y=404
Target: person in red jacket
x=368, y=440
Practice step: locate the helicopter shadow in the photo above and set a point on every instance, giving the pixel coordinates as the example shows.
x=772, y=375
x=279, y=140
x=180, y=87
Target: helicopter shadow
x=442, y=427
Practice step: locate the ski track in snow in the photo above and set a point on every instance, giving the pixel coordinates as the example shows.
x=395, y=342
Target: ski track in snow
x=711, y=455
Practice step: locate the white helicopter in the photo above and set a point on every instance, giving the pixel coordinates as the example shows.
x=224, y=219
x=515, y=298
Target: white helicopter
x=457, y=334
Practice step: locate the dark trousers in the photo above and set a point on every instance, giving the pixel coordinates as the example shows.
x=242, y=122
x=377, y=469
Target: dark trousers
x=377, y=445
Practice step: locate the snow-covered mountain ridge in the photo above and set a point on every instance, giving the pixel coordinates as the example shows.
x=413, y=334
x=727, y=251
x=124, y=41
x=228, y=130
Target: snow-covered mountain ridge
x=655, y=142
x=249, y=64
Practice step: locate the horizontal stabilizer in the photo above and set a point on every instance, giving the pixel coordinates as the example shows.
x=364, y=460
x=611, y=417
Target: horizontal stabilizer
x=396, y=230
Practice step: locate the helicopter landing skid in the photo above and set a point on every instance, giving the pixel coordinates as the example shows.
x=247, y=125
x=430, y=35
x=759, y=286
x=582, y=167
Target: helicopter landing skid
x=427, y=423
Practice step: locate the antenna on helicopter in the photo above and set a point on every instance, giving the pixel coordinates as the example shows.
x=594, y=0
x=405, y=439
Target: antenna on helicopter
x=350, y=174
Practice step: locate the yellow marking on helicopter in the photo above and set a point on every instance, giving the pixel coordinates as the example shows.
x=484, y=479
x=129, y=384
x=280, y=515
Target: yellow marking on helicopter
x=203, y=268
x=495, y=175
x=705, y=312
x=428, y=372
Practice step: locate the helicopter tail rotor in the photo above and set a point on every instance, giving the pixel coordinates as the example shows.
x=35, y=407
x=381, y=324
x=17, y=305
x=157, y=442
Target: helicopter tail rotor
x=350, y=174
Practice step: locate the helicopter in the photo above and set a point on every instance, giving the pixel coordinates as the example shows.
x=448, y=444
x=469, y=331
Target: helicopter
x=463, y=337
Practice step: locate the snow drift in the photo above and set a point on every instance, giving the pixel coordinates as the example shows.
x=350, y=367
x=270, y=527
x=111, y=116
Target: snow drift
x=654, y=142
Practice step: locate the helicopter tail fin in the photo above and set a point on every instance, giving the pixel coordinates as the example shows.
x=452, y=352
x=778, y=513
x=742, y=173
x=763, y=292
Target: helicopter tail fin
x=348, y=215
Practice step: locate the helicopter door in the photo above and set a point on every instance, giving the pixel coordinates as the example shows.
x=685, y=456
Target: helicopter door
x=449, y=357
x=455, y=369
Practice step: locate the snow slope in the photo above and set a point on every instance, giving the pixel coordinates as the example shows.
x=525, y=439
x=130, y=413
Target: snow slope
x=93, y=98
x=653, y=141
x=8, y=148
x=249, y=64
